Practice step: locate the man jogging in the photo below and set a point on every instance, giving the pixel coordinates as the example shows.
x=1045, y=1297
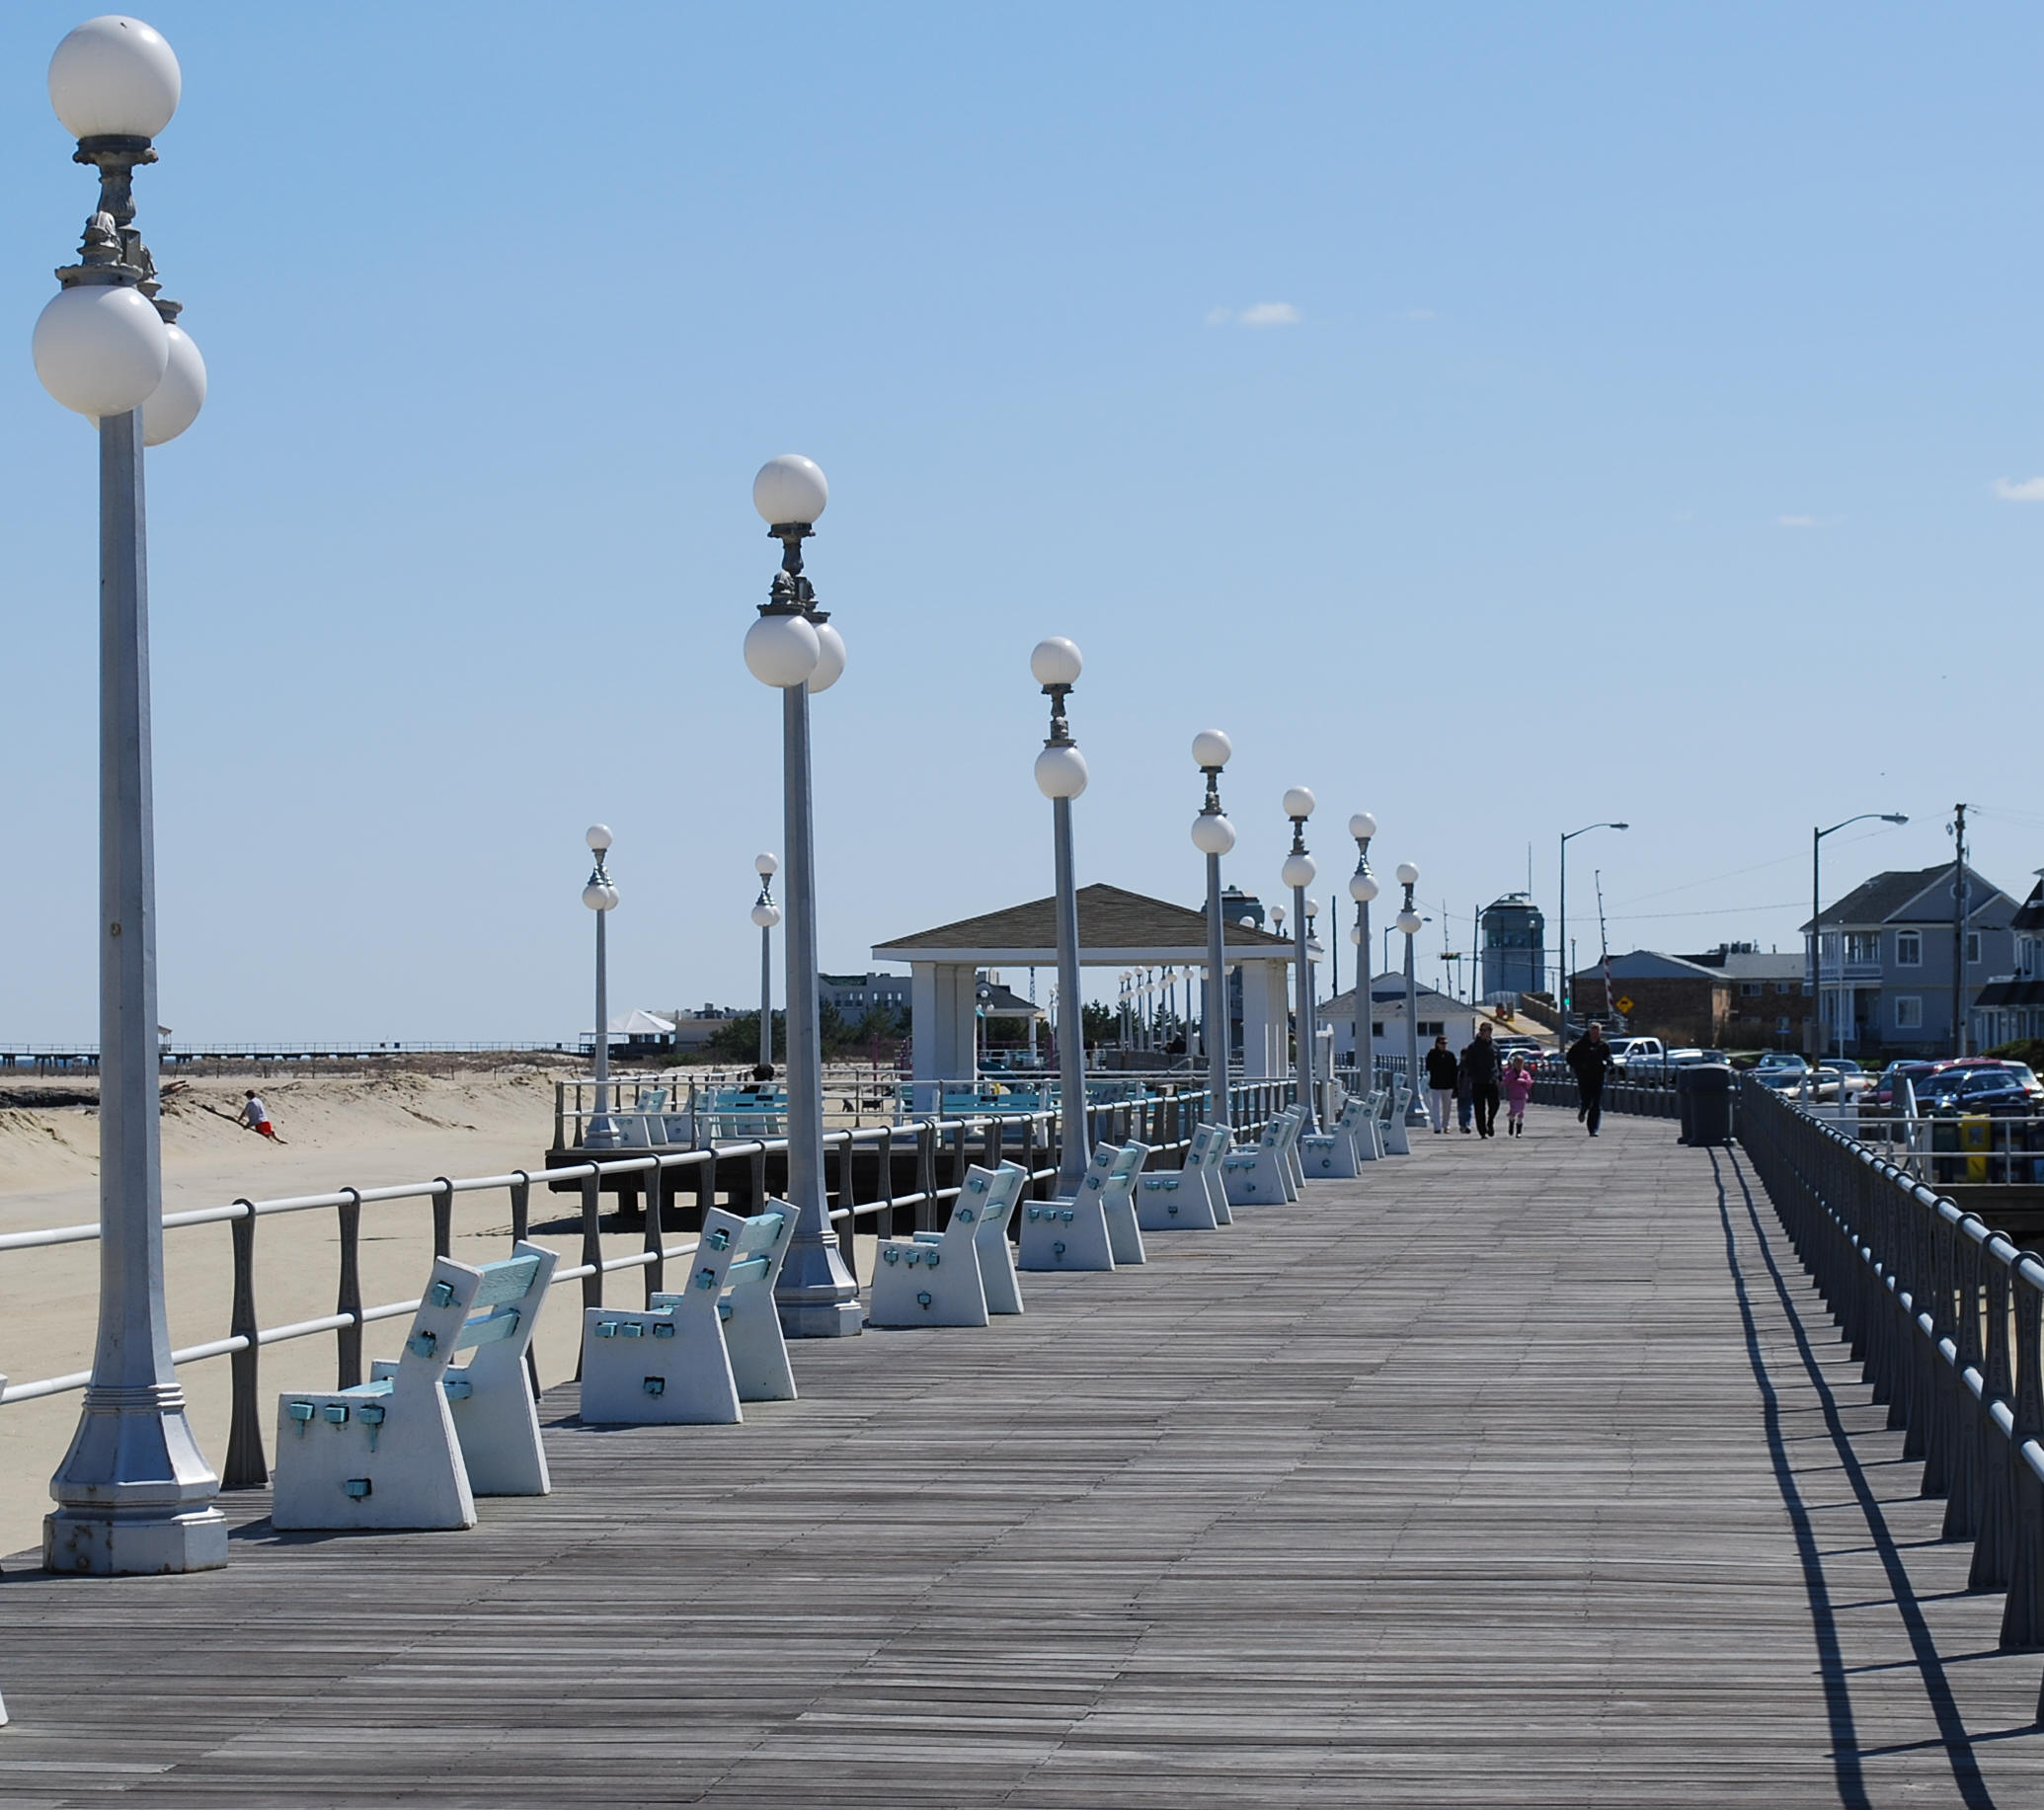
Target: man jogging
x=1441, y=1079
x=1590, y=1058
x=256, y=1115
x=1480, y=1064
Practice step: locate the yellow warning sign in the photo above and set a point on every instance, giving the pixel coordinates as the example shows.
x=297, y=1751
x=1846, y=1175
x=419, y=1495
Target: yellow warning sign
x=1624, y=1006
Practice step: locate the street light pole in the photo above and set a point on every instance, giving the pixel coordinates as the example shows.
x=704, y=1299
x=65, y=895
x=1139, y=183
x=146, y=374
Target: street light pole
x=1214, y=836
x=1363, y=889
x=601, y=896
x=792, y=648
x=767, y=915
x=1561, y=991
x=1408, y=923
x=134, y=1495
x=1816, y=928
x=1060, y=776
x=1298, y=873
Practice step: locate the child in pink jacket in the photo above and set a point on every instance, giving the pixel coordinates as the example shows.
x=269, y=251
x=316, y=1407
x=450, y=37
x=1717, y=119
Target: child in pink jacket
x=1518, y=1088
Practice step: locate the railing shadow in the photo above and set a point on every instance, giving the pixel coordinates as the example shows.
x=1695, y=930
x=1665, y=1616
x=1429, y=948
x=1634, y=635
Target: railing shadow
x=1846, y=1754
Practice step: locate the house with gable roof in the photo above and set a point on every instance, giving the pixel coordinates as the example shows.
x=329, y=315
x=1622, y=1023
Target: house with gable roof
x=1884, y=962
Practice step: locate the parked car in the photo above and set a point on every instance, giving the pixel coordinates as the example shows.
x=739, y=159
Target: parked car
x=2005, y=1089
x=1882, y=1094
x=1637, y=1058
x=1781, y=1070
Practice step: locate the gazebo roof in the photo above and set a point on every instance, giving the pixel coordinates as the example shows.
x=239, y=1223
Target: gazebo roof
x=1116, y=929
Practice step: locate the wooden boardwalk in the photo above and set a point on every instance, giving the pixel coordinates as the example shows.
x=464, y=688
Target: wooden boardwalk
x=1505, y=1476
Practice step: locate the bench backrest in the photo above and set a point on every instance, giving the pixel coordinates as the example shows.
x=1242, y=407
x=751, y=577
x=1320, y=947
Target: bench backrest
x=986, y=1203
x=506, y=1308
x=1218, y=1144
x=733, y=1254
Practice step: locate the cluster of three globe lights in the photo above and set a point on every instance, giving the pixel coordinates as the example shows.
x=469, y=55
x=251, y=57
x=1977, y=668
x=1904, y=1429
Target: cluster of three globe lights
x=1056, y=665
x=785, y=648
x=765, y=913
x=601, y=895
x=103, y=348
x=1212, y=833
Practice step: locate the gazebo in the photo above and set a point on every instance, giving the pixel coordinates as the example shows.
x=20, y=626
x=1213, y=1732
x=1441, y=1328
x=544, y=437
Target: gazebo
x=1116, y=929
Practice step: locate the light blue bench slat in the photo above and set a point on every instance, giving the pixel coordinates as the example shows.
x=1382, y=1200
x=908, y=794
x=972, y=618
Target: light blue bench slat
x=488, y=1328
x=507, y=1280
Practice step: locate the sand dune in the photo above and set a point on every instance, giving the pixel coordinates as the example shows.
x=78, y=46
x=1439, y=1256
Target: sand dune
x=354, y=1130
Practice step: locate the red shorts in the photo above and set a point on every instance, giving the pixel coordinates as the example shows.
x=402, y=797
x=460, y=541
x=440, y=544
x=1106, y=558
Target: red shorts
x=264, y=1128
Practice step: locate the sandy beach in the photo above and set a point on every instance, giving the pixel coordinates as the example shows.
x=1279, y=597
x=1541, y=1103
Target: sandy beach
x=398, y=1125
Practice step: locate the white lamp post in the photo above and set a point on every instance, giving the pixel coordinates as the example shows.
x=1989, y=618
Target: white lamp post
x=1561, y=991
x=1060, y=776
x=1363, y=889
x=134, y=1494
x=1409, y=921
x=1214, y=836
x=765, y=913
x=601, y=896
x=1298, y=873
x=792, y=648
x=1816, y=933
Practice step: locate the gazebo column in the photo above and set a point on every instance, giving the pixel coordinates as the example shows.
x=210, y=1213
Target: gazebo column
x=1263, y=1020
x=941, y=1007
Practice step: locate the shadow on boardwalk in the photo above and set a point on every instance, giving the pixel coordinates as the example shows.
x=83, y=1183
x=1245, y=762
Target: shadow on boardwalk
x=1523, y=1473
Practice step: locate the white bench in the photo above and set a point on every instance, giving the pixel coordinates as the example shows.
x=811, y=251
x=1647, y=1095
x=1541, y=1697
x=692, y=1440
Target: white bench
x=1184, y=1201
x=1078, y=1233
x=954, y=1277
x=1260, y=1175
x=1335, y=1153
x=1396, y=1143
x=689, y=1357
x=419, y=1440
x=1294, y=1121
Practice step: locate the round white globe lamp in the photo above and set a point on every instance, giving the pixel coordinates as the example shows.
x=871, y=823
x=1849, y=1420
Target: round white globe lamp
x=1212, y=749
x=829, y=665
x=1212, y=833
x=1298, y=871
x=115, y=77
x=1300, y=801
x=100, y=348
x=1408, y=875
x=782, y=650
x=1060, y=771
x=174, y=404
x=790, y=491
x=1056, y=661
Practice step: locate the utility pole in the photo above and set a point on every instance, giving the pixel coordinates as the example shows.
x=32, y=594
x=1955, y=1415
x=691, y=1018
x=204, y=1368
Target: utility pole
x=1959, y=915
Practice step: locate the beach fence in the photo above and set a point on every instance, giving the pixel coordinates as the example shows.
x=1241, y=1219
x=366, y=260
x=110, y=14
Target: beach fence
x=861, y=1168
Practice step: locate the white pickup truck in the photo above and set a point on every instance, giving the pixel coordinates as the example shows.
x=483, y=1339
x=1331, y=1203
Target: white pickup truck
x=1638, y=1059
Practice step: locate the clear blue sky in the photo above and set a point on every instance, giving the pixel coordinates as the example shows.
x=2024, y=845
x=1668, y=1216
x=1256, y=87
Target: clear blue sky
x=1500, y=417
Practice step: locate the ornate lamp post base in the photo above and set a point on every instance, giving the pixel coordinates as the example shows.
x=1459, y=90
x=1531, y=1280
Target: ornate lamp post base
x=160, y=1518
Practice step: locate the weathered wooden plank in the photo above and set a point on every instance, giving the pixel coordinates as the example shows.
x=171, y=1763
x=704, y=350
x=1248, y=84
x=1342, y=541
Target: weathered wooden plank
x=1450, y=1485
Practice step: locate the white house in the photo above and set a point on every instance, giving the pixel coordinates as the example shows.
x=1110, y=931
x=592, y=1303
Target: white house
x=1436, y=1014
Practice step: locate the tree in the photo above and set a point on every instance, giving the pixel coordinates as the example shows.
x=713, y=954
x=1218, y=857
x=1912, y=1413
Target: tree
x=737, y=1040
x=1098, y=1022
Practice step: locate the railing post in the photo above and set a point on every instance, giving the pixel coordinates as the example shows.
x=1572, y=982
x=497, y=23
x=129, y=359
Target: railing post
x=591, y=1239
x=2022, y=1615
x=1964, y=1476
x=656, y=1232
x=1994, y=1541
x=521, y=1229
x=926, y=1175
x=886, y=1155
x=442, y=1217
x=245, y=1467
x=847, y=1199
x=348, y=1339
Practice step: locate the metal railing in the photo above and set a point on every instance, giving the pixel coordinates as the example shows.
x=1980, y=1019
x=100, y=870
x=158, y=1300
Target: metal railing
x=1944, y=1315
x=733, y=1175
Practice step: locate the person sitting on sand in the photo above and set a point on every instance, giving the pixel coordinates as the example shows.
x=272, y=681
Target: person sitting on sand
x=256, y=1115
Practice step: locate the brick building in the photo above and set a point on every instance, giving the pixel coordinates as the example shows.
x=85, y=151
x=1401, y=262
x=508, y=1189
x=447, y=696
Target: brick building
x=1656, y=995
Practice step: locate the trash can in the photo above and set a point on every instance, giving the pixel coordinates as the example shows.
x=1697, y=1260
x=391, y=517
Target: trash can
x=1708, y=1118
x=1684, y=1104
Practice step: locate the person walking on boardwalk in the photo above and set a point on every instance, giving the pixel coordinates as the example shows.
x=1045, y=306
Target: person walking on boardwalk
x=1590, y=1059
x=1480, y=1062
x=1442, y=1073
x=256, y=1115
x=1518, y=1088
